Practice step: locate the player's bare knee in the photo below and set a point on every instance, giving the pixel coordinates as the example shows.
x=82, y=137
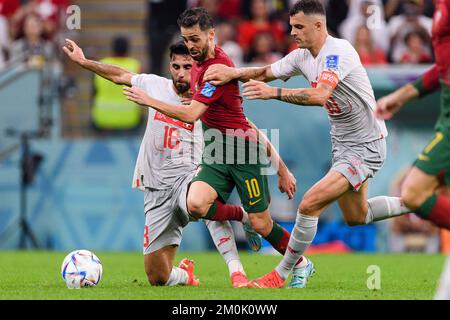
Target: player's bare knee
x=157, y=278
x=261, y=224
x=410, y=198
x=157, y=274
x=197, y=207
x=308, y=206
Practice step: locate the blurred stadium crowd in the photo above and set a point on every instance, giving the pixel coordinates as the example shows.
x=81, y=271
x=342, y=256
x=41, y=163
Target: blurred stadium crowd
x=250, y=31
x=389, y=31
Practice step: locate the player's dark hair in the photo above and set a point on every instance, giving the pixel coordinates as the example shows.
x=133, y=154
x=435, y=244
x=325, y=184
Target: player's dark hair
x=120, y=46
x=178, y=48
x=194, y=16
x=308, y=7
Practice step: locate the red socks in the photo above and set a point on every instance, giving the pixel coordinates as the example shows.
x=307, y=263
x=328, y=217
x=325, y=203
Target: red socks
x=440, y=213
x=223, y=212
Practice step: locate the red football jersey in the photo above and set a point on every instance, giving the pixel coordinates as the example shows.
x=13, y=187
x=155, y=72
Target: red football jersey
x=441, y=39
x=225, y=103
x=9, y=7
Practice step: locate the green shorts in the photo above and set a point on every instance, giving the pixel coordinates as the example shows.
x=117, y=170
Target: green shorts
x=435, y=158
x=251, y=185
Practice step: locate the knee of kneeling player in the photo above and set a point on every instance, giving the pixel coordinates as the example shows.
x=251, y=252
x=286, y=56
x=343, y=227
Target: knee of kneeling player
x=197, y=207
x=157, y=278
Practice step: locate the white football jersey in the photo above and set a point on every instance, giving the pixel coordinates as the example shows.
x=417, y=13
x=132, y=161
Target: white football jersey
x=170, y=149
x=350, y=107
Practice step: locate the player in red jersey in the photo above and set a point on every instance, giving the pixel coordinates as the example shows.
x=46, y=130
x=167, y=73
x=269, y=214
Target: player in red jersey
x=432, y=167
x=232, y=158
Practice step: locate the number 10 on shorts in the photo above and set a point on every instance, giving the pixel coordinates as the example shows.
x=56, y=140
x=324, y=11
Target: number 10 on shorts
x=253, y=188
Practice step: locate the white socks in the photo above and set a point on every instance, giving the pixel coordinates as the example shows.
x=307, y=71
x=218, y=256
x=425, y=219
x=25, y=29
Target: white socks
x=383, y=207
x=223, y=237
x=177, y=276
x=302, y=235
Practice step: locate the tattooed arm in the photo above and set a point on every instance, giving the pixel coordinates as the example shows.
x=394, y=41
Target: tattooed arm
x=304, y=96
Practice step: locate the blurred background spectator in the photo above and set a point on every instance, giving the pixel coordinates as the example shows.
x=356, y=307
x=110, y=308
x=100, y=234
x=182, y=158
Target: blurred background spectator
x=396, y=7
x=111, y=111
x=417, y=50
x=50, y=11
x=229, y=10
x=368, y=52
x=9, y=7
x=263, y=49
x=368, y=13
x=411, y=19
x=225, y=35
x=31, y=45
x=260, y=21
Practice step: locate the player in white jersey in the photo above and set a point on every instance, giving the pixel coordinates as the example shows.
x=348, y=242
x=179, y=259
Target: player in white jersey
x=168, y=159
x=340, y=84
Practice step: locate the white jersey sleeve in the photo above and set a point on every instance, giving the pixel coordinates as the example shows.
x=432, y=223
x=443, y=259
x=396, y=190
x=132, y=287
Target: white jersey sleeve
x=150, y=83
x=338, y=63
x=288, y=66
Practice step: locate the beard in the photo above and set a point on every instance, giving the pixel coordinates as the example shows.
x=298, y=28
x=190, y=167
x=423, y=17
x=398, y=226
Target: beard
x=182, y=87
x=202, y=56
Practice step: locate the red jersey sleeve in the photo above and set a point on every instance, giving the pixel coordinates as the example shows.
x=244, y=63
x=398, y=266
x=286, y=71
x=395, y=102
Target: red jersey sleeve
x=428, y=82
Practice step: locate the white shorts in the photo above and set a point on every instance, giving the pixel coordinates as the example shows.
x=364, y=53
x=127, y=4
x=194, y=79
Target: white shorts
x=165, y=215
x=357, y=163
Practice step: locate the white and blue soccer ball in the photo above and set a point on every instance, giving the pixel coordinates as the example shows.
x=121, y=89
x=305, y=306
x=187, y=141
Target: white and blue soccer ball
x=81, y=268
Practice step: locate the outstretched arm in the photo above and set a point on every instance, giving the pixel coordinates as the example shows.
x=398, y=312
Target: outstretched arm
x=286, y=180
x=219, y=74
x=303, y=96
x=389, y=105
x=392, y=103
x=112, y=73
x=189, y=113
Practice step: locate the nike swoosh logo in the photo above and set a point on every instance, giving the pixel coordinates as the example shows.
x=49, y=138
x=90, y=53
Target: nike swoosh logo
x=252, y=203
x=423, y=157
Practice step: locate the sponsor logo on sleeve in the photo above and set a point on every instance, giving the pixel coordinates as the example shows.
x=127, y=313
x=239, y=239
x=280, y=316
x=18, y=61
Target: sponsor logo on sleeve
x=332, y=62
x=208, y=90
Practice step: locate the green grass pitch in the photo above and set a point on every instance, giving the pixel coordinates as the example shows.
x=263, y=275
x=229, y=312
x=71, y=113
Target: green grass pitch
x=36, y=275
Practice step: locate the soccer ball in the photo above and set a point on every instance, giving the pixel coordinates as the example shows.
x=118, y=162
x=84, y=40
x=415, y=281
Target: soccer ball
x=81, y=268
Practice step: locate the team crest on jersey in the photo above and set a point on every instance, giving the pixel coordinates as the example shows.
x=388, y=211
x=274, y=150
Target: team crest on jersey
x=332, y=62
x=208, y=90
